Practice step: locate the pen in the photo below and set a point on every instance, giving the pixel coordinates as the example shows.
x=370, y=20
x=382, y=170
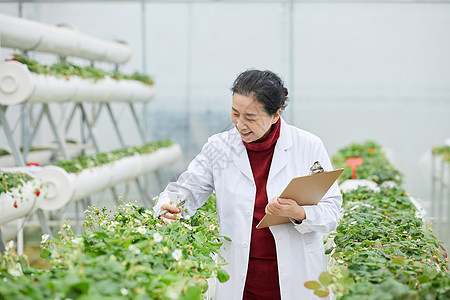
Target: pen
x=166, y=210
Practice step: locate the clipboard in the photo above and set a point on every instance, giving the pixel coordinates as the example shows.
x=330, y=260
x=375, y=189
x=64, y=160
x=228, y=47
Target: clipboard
x=305, y=190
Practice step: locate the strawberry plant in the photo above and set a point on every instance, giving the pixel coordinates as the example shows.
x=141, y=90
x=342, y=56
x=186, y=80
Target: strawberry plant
x=12, y=180
x=126, y=254
x=443, y=151
x=375, y=167
x=383, y=251
x=66, y=70
x=98, y=159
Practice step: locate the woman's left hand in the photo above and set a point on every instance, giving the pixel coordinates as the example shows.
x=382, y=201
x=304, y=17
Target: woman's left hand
x=284, y=207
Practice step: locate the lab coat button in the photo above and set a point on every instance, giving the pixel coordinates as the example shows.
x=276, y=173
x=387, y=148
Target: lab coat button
x=242, y=275
x=244, y=244
x=248, y=213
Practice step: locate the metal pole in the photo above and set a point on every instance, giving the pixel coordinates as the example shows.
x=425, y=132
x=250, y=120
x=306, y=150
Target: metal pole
x=116, y=128
x=2, y=242
x=86, y=121
x=69, y=121
x=291, y=62
x=433, y=184
x=188, y=76
x=43, y=221
x=447, y=201
x=440, y=204
x=144, y=61
x=20, y=236
x=20, y=161
x=138, y=124
x=55, y=131
x=144, y=37
x=25, y=126
x=27, y=146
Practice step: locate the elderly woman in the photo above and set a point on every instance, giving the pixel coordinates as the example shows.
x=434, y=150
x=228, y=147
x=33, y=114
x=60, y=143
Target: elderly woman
x=246, y=167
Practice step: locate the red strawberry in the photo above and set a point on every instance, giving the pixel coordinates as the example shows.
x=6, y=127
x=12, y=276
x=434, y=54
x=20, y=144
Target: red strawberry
x=37, y=192
x=15, y=204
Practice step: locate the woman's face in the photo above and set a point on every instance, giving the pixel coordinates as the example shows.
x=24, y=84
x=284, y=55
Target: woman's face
x=250, y=118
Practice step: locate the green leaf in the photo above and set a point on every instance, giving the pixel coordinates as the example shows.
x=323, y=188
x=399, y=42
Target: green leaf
x=193, y=293
x=348, y=281
x=322, y=292
x=312, y=285
x=222, y=275
x=328, y=251
x=168, y=278
x=45, y=253
x=399, y=261
x=325, y=278
x=423, y=278
x=78, y=289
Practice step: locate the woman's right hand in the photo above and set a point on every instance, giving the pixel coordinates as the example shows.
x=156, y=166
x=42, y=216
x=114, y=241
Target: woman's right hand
x=172, y=211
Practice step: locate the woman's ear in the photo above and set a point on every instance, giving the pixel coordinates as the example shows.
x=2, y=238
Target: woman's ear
x=276, y=116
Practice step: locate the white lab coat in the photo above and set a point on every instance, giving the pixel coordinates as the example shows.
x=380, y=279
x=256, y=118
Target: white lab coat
x=223, y=166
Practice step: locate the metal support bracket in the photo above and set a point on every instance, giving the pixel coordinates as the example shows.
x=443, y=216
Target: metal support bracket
x=20, y=161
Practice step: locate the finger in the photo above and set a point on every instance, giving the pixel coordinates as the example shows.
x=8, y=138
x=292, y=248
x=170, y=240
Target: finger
x=286, y=201
x=269, y=209
x=170, y=207
x=276, y=205
x=170, y=216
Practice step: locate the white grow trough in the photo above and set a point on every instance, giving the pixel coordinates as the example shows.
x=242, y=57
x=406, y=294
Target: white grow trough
x=60, y=187
x=64, y=40
x=19, y=85
x=26, y=200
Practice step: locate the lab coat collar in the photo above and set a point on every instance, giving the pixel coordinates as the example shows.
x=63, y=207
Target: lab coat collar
x=284, y=141
x=279, y=160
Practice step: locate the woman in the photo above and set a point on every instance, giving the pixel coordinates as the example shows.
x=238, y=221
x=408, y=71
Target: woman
x=246, y=166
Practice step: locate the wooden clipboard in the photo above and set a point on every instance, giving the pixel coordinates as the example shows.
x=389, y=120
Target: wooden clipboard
x=305, y=190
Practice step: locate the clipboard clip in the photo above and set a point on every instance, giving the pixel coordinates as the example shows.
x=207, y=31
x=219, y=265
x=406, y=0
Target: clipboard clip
x=316, y=168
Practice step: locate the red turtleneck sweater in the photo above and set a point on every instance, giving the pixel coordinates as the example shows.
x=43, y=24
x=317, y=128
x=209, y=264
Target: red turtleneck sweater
x=262, y=275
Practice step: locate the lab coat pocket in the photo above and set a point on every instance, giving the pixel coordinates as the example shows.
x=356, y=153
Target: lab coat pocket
x=313, y=241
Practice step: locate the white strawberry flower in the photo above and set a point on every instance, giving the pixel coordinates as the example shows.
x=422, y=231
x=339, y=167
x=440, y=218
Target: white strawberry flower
x=45, y=237
x=16, y=271
x=77, y=240
x=141, y=229
x=133, y=249
x=157, y=237
x=124, y=291
x=177, y=254
x=10, y=245
x=212, y=227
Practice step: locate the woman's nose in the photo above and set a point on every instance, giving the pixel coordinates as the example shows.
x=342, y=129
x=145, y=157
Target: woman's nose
x=239, y=124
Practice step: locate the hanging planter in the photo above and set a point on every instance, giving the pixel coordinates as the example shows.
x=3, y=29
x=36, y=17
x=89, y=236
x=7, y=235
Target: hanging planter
x=63, y=39
x=19, y=85
x=40, y=155
x=19, y=199
x=61, y=187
